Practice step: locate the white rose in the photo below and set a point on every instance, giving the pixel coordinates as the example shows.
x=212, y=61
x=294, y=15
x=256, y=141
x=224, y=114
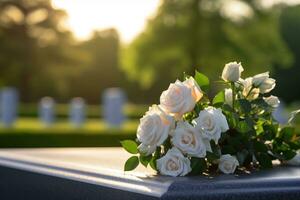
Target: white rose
x=154, y=129
x=188, y=140
x=211, y=123
x=263, y=82
x=180, y=97
x=273, y=101
x=228, y=164
x=174, y=163
x=196, y=90
x=228, y=96
x=249, y=91
x=232, y=71
x=296, y=160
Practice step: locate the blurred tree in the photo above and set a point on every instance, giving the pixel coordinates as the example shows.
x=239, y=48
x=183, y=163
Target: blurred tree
x=287, y=79
x=102, y=69
x=35, y=49
x=204, y=35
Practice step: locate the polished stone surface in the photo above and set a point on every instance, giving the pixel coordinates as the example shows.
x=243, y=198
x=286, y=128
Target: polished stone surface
x=97, y=172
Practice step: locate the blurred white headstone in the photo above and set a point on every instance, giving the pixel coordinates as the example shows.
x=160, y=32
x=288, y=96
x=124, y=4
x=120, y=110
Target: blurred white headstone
x=47, y=111
x=77, y=111
x=9, y=103
x=280, y=113
x=113, y=102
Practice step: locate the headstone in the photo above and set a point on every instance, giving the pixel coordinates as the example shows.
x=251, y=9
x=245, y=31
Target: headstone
x=113, y=102
x=77, y=112
x=280, y=113
x=47, y=111
x=9, y=103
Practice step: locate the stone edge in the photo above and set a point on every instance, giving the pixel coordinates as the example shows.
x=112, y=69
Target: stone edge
x=108, y=179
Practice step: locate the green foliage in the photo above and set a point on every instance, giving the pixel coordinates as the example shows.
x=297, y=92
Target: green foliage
x=130, y=146
x=156, y=155
x=202, y=81
x=287, y=133
x=264, y=160
x=131, y=163
x=219, y=99
x=243, y=127
x=259, y=147
x=145, y=160
x=185, y=36
x=286, y=78
x=198, y=166
x=36, y=55
x=245, y=106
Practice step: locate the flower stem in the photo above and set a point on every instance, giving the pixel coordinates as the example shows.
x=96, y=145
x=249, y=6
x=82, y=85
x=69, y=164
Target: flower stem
x=249, y=92
x=233, y=94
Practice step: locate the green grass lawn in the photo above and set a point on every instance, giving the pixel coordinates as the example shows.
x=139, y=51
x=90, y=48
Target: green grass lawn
x=30, y=132
x=132, y=111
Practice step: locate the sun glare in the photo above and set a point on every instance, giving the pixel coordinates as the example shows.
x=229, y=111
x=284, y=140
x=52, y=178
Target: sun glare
x=128, y=17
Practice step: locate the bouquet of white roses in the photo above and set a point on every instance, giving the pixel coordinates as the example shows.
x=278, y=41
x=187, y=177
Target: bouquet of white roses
x=187, y=133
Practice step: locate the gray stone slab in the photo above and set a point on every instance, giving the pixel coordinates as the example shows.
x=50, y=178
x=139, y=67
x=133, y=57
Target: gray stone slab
x=77, y=112
x=9, y=98
x=47, y=111
x=113, y=100
x=98, y=173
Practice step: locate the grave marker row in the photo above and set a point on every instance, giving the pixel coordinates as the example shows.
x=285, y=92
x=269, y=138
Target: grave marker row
x=113, y=102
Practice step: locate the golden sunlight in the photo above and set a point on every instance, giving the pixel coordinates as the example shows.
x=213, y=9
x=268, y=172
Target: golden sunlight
x=128, y=17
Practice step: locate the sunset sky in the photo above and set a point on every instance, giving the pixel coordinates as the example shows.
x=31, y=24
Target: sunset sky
x=128, y=17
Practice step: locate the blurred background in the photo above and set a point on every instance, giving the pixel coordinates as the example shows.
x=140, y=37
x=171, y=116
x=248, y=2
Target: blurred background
x=81, y=73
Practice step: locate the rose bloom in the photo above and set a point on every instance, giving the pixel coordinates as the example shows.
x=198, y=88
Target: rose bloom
x=154, y=129
x=188, y=140
x=228, y=164
x=211, y=123
x=174, y=163
x=249, y=91
x=273, y=101
x=232, y=72
x=228, y=96
x=181, y=97
x=263, y=82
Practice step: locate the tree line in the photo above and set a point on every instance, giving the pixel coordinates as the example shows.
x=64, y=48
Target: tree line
x=42, y=58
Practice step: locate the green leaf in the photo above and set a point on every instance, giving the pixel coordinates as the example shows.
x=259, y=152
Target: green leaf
x=215, y=149
x=295, y=145
x=288, y=155
x=130, y=146
x=232, y=119
x=219, y=99
x=243, y=127
x=154, y=158
x=270, y=131
x=227, y=108
x=228, y=149
x=211, y=156
x=198, y=165
x=145, y=160
x=287, y=133
x=259, y=146
x=264, y=160
x=245, y=105
x=261, y=103
x=202, y=81
x=131, y=163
